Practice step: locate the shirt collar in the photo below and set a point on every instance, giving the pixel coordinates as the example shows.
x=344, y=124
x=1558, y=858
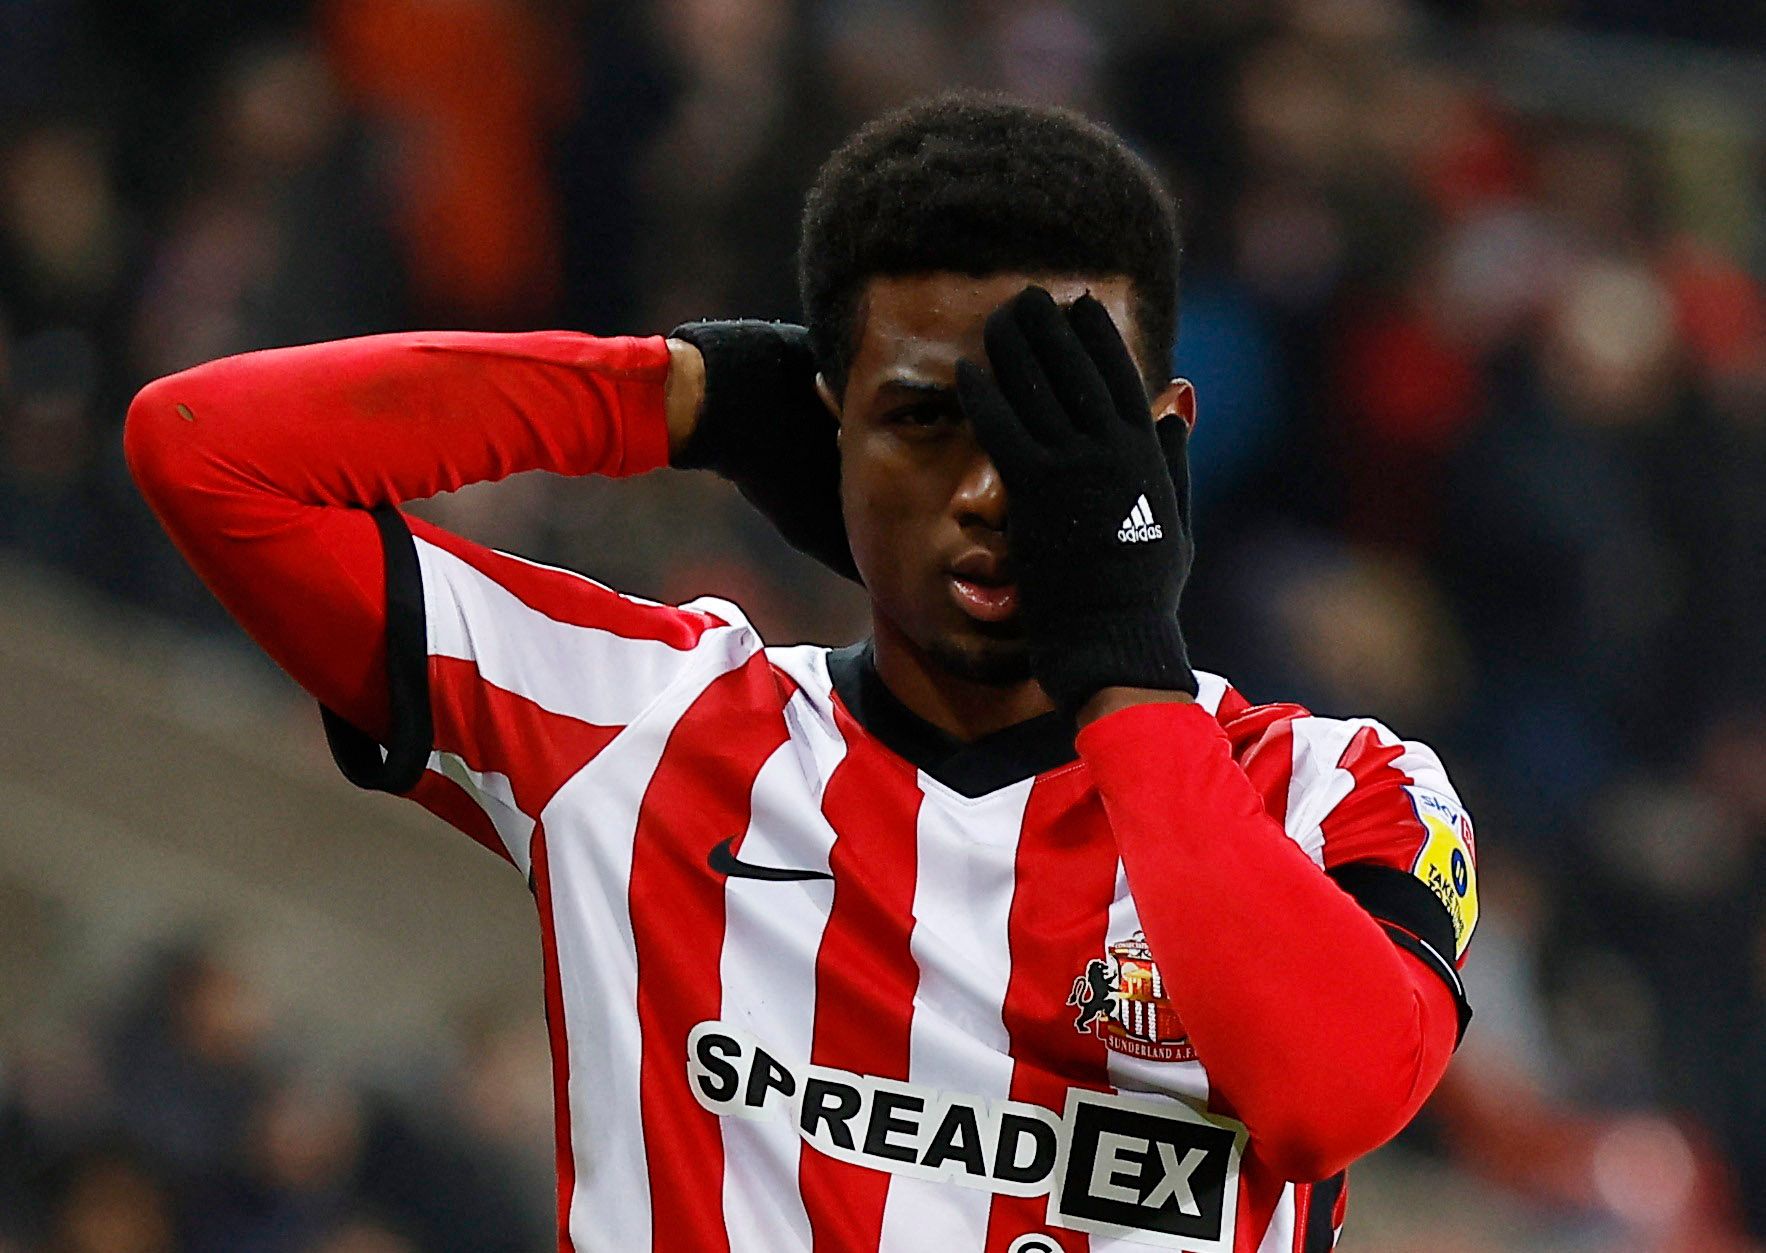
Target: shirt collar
x=969, y=767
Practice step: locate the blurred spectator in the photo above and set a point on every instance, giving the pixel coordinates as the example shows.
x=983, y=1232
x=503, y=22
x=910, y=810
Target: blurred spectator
x=291, y=1180
x=186, y=1061
x=457, y=1173
x=466, y=95
x=109, y=1201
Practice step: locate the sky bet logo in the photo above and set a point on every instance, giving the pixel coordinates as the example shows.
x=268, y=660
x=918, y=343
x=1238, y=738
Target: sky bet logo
x=1152, y=1171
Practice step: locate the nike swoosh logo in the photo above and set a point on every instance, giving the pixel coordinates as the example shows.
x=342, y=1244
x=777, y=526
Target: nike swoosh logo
x=723, y=861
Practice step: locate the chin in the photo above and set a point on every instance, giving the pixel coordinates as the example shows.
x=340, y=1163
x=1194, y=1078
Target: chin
x=994, y=662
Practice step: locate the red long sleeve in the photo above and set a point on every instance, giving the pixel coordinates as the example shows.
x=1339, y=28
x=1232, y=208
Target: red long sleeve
x=1324, y=1037
x=259, y=466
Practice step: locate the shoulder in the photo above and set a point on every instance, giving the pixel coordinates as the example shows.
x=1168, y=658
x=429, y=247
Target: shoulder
x=469, y=580
x=1308, y=766
x=1354, y=792
x=1360, y=748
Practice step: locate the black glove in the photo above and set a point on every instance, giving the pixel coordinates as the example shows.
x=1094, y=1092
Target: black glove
x=764, y=429
x=1097, y=524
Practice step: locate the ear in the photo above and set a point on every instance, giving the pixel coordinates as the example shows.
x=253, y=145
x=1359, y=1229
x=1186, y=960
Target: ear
x=1176, y=399
x=830, y=401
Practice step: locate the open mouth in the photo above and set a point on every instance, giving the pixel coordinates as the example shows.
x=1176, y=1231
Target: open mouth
x=990, y=600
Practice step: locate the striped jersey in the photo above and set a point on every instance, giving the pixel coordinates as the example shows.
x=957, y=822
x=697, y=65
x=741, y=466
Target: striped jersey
x=818, y=977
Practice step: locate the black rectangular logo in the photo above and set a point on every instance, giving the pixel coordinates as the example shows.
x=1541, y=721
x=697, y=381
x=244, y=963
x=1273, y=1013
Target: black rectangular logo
x=1133, y=1171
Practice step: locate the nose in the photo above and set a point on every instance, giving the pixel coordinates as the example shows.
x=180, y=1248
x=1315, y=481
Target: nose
x=980, y=498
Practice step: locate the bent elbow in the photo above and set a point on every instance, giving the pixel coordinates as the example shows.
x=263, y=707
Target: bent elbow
x=156, y=429
x=1337, y=1126
x=145, y=434
x=1313, y=1155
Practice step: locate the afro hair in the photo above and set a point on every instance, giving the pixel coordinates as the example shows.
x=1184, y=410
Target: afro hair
x=980, y=184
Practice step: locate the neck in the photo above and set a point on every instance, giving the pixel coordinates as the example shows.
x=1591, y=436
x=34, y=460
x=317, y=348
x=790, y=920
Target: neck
x=962, y=708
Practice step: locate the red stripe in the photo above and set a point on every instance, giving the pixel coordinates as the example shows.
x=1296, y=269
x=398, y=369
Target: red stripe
x=1232, y=705
x=1366, y=756
x=1267, y=755
x=542, y=888
x=450, y=802
x=865, y=972
x=571, y=598
x=1260, y=1191
x=482, y=723
x=1376, y=821
x=699, y=796
x=1302, y=1211
x=1059, y=921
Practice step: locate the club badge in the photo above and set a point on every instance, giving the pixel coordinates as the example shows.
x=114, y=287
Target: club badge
x=1121, y=1000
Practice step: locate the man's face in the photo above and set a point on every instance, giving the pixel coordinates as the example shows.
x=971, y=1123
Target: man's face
x=925, y=509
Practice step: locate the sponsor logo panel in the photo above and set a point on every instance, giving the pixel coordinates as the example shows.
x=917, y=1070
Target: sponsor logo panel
x=1155, y=1172
x=1151, y=1170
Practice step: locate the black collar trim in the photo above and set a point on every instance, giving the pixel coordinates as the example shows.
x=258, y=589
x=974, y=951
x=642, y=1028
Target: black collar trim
x=971, y=768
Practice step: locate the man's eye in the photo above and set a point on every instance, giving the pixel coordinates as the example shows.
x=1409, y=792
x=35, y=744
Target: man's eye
x=923, y=416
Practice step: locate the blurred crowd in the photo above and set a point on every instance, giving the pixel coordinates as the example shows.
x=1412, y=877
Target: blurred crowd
x=1482, y=452
x=174, y=1121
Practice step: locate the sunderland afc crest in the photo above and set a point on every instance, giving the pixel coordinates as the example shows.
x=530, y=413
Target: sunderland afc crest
x=1121, y=1000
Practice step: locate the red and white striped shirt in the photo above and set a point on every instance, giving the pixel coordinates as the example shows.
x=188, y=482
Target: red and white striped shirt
x=818, y=977
x=881, y=1051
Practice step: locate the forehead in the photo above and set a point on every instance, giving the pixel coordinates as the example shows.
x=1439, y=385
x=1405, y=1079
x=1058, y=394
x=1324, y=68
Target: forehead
x=917, y=326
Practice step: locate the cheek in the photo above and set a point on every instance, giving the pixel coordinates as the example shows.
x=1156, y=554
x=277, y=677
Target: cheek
x=893, y=504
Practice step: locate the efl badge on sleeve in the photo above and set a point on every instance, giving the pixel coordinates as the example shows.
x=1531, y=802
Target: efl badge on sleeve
x=1447, y=862
x=1121, y=1000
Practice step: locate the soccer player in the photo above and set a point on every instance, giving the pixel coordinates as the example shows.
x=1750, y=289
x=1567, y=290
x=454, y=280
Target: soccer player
x=1002, y=929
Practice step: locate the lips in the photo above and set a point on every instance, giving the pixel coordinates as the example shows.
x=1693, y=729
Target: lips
x=981, y=585
x=980, y=566
x=990, y=602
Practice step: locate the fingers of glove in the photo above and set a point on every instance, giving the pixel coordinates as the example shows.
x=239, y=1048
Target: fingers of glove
x=997, y=424
x=1019, y=375
x=1073, y=378
x=1174, y=439
x=1094, y=328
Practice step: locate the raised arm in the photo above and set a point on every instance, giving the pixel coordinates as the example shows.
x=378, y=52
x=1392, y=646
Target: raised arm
x=1323, y=1033
x=262, y=467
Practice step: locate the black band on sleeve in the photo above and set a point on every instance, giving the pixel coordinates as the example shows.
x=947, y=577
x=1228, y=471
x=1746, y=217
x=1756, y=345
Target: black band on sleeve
x=1413, y=917
x=1321, y=1213
x=357, y=755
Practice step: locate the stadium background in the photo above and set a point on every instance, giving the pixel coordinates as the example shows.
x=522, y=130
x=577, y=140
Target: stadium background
x=1473, y=300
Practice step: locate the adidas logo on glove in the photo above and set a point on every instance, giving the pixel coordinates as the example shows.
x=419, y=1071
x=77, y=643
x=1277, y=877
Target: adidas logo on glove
x=1139, y=527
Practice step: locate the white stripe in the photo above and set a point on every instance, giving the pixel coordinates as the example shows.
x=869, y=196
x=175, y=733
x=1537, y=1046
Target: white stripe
x=1315, y=785
x=1210, y=691
x=1280, y=1236
x=772, y=933
x=493, y=793
x=593, y=821
x=583, y=672
x=967, y=861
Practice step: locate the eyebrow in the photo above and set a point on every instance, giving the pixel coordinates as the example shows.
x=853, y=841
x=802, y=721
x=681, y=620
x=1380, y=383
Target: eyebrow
x=919, y=387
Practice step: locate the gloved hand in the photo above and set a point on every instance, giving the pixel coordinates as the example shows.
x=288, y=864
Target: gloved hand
x=1097, y=522
x=763, y=428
